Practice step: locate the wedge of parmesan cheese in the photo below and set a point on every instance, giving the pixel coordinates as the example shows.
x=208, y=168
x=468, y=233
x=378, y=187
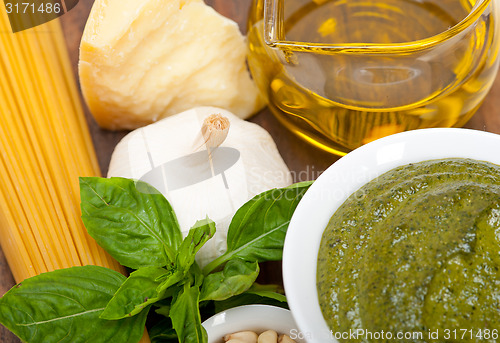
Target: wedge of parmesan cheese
x=141, y=61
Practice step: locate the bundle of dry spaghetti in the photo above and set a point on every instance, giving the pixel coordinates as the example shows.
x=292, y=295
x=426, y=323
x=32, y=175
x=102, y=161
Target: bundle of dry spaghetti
x=45, y=147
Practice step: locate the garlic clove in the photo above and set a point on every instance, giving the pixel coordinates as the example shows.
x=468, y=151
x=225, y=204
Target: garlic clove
x=269, y=336
x=243, y=336
x=285, y=339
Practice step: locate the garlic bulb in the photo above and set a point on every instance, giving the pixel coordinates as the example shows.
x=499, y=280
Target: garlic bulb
x=207, y=162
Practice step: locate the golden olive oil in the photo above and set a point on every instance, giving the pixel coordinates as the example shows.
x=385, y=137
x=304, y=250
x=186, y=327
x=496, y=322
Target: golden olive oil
x=411, y=76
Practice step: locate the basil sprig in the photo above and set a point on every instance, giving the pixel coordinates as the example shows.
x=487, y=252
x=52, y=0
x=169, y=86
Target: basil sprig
x=65, y=305
x=138, y=227
x=257, y=230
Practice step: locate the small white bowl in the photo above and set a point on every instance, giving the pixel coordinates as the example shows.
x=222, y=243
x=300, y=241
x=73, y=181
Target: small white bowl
x=342, y=179
x=257, y=318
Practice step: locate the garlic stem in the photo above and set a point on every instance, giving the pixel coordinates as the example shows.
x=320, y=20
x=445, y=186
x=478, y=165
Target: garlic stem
x=214, y=130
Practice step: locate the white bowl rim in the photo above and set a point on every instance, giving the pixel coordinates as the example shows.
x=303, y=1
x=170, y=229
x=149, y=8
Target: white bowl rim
x=345, y=176
x=255, y=317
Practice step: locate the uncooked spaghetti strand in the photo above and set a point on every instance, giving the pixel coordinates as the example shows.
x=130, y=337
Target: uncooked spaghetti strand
x=65, y=187
x=26, y=251
x=24, y=149
x=70, y=82
x=92, y=244
x=23, y=208
x=23, y=145
x=32, y=134
x=61, y=99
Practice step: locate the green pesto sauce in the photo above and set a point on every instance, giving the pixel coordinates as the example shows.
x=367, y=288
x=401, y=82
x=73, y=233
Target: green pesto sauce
x=418, y=251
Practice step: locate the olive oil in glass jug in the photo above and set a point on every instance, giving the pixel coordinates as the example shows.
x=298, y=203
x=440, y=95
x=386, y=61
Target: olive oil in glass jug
x=341, y=73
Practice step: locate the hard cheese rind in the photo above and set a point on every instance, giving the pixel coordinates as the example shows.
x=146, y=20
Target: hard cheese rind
x=141, y=61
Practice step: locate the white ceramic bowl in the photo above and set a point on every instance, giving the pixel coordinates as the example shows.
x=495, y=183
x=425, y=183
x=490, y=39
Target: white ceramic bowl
x=342, y=179
x=257, y=318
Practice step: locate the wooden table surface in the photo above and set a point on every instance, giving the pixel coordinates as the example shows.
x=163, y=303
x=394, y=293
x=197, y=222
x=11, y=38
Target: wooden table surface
x=305, y=162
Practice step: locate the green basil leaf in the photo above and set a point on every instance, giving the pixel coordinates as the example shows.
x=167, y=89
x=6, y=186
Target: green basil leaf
x=197, y=275
x=131, y=220
x=163, y=310
x=236, y=277
x=268, y=291
x=247, y=299
x=185, y=316
x=268, y=294
x=135, y=294
x=258, y=287
x=257, y=230
x=167, y=282
x=145, y=286
x=198, y=235
x=64, y=306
